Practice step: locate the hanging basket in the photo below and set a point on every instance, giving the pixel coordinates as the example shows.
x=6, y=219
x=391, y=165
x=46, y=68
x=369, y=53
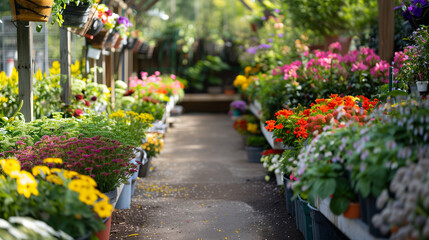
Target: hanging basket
x=76, y=16
x=84, y=29
x=95, y=28
x=424, y=20
x=111, y=39
x=100, y=39
x=137, y=46
x=31, y=10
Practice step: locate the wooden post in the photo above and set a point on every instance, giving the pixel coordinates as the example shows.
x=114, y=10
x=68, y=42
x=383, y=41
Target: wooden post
x=25, y=68
x=65, y=61
x=386, y=29
x=110, y=81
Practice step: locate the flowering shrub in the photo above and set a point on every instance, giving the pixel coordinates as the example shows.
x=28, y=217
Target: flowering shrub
x=240, y=125
x=414, y=60
x=292, y=127
x=153, y=145
x=133, y=123
x=105, y=160
x=271, y=160
x=57, y=197
x=322, y=73
x=413, y=8
x=247, y=124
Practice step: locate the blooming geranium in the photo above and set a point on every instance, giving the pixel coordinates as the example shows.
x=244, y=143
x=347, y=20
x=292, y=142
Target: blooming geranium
x=294, y=127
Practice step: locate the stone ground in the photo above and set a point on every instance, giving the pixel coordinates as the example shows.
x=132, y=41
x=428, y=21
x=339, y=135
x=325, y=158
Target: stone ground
x=203, y=187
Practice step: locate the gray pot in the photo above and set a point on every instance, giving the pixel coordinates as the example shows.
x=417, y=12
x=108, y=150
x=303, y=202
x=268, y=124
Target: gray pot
x=254, y=154
x=113, y=196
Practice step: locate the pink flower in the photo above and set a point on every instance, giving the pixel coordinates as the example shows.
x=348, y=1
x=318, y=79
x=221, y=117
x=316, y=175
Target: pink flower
x=87, y=103
x=359, y=67
x=89, y=169
x=335, y=45
x=116, y=171
x=77, y=113
x=172, y=76
x=157, y=73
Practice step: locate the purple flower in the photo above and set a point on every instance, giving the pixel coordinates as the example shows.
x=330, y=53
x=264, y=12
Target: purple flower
x=124, y=21
x=252, y=50
x=270, y=40
x=277, y=10
x=239, y=104
x=280, y=35
x=264, y=18
x=264, y=46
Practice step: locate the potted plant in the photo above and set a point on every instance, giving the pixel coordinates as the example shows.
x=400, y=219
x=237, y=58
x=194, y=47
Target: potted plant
x=415, y=58
x=152, y=146
x=237, y=107
x=35, y=11
x=72, y=13
x=416, y=12
x=65, y=200
x=254, y=147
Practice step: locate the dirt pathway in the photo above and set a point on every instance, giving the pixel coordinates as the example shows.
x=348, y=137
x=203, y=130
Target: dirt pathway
x=202, y=187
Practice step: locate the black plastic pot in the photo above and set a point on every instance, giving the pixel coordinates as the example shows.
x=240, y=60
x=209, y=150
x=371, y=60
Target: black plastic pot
x=290, y=205
x=371, y=210
x=305, y=223
x=322, y=227
x=96, y=27
x=76, y=16
x=254, y=154
x=131, y=43
x=144, y=168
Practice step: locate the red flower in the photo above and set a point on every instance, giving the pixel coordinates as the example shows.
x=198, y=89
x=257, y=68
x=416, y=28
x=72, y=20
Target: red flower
x=87, y=103
x=279, y=126
x=279, y=140
x=129, y=93
x=77, y=113
x=286, y=113
x=79, y=97
x=93, y=98
x=270, y=125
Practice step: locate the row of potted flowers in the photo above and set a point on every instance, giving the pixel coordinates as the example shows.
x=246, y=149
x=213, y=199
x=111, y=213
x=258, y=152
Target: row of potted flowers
x=347, y=150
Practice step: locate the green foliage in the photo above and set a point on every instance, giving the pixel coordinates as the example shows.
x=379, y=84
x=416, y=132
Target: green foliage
x=256, y=141
x=203, y=72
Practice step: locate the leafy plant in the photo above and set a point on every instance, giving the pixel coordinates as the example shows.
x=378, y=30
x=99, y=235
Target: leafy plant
x=256, y=141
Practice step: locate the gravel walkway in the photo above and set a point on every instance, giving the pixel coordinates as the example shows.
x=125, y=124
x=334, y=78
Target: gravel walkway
x=202, y=187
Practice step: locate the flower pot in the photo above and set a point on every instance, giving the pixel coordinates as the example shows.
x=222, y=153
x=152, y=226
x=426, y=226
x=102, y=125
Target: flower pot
x=363, y=209
x=236, y=113
x=132, y=43
x=99, y=39
x=112, y=39
x=119, y=43
x=322, y=227
x=105, y=233
x=371, y=210
x=95, y=28
x=305, y=221
x=290, y=205
x=144, y=168
x=34, y=10
x=353, y=211
x=124, y=200
x=298, y=214
x=279, y=178
x=76, y=16
x=254, y=154
x=422, y=86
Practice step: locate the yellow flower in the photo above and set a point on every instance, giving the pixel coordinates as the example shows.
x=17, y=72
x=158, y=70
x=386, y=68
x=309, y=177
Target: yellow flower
x=89, y=180
x=56, y=170
x=53, y=160
x=70, y=174
x=55, y=179
x=56, y=65
x=12, y=168
x=37, y=170
x=247, y=70
x=103, y=208
x=87, y=197
x=26, y=184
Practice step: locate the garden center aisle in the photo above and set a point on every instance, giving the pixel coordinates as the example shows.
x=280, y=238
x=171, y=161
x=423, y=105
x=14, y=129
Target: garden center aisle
x=202, y=187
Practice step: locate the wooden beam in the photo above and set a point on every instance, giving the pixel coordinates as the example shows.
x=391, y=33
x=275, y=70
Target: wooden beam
x=25, y=68
x=110, y=81
x=386, y=29
x=65, y=61
x=150, y=5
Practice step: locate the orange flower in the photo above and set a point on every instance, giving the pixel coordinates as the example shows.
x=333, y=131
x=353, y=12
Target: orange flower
x=323, y=108
x=270, y=125
x=318, y=101
x=286, y=113
x=279, y=126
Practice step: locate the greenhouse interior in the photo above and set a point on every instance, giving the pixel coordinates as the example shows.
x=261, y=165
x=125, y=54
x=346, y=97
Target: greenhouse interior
x=224, y=119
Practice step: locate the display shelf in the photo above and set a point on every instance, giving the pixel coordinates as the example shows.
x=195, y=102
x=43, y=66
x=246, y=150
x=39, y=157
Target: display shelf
x=255, y=111
x=355, y=229
x=269, y=137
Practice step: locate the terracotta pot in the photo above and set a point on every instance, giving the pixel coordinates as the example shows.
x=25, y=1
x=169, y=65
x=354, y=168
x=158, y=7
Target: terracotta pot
x=105, y=233
x=34, y=11
x=353, y=211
